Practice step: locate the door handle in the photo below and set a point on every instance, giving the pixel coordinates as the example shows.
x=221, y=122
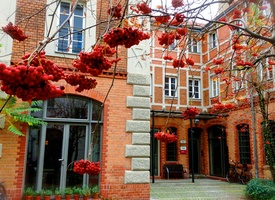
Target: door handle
x=61, y=159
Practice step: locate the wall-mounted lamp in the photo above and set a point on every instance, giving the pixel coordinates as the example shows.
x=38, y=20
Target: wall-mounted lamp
x=196, y=121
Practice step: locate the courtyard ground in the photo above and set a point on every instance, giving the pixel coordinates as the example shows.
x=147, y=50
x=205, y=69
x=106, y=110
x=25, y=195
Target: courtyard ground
x=181, y=189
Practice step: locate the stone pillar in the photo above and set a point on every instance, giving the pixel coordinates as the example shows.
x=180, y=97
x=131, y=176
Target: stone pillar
x=138, y=69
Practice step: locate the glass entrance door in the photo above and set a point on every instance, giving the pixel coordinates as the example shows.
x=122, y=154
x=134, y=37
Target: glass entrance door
x=63, y=144
x=218, y=151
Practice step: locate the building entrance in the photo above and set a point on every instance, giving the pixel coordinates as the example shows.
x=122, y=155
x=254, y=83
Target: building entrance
x=196, y=149
x=218, y=151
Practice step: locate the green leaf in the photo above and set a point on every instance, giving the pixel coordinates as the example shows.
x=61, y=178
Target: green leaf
x=15, y=130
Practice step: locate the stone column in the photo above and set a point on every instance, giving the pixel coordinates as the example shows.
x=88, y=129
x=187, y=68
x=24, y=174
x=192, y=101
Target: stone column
x=138, y=69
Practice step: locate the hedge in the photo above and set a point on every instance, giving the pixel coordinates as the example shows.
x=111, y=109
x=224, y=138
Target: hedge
x=260, y=189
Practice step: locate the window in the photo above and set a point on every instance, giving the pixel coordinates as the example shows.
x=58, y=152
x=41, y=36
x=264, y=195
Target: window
x=73, y=123
x=266, y=12
x=171, y=148
x=67, y=42
x=239, y=81
x=215, y=87
x=194, y=46
x=64, y=45
x=170, y=86
x=212, y=40
x=244, y=143
x=194, y=89
x=174, y=45
x=152, y=85
x=266, y=70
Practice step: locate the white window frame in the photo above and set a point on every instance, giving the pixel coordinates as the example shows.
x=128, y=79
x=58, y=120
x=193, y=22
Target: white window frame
x=213, y=40
x=89, y=37
x=69, y=27
x=170, y=86
x=239, y=85
x=215, y=87
x=266, y=12
x=267, y=74
x=194, y=90
x=194, y=44
x=174, y=45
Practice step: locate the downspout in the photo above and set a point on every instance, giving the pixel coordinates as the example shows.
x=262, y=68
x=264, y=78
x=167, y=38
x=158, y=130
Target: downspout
x=254, y=130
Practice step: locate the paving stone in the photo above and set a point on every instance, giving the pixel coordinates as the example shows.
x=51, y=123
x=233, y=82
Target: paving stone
x=181, y=189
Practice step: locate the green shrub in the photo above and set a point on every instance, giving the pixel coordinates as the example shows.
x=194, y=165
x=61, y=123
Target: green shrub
x=260, y=189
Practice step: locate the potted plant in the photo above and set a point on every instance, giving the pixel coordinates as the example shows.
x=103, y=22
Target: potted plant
x=68, y=193
x=58, y=193
x=37, y=195
x=77, y=192
x=28, y=193
x=47, y=194
x=95, y=192
x=86, y=192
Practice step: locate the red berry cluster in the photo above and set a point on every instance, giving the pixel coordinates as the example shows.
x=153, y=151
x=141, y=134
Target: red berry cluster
x=178, y=63
x=182, y=31
x=143, y=8
x=219, y=70
x=177, y=3
x=223, y=107
x=86, y=166
x=218, y=61
x=166, y=137
x=190, y=113
x=166, y=38
x=14, y=32
x=82, y=82
x=28, y=83
x=49, y=67
x=189, y=61
x=126, y=36
x=177, y=19
x=237, y=14
x=95, y=62
x=115, y=11
x=162, y=19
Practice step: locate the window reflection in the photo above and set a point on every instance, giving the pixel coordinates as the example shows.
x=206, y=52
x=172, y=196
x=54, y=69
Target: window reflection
x=67, y=108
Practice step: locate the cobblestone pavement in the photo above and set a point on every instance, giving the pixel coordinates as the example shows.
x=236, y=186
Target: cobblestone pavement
x=200, y=189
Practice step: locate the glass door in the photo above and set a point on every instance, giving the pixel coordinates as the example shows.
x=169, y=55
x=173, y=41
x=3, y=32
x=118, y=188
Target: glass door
x=218, y=151
x=63, y=144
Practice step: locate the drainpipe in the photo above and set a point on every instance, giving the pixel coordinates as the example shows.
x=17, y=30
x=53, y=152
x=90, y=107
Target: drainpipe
x=153, y=147
x=254, y=131
x=192, y=149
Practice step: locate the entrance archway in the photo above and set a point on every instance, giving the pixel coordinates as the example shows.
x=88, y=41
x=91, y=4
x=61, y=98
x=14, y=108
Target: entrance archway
x=218, y=151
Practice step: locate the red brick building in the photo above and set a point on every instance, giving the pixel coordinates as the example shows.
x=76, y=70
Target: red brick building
x=143, y=94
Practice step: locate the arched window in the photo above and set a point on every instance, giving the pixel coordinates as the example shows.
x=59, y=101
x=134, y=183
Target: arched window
x=244, y=143
x=171, y=148
x=72, y=132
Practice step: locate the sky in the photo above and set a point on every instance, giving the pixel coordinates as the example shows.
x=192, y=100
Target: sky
x=208, y=13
